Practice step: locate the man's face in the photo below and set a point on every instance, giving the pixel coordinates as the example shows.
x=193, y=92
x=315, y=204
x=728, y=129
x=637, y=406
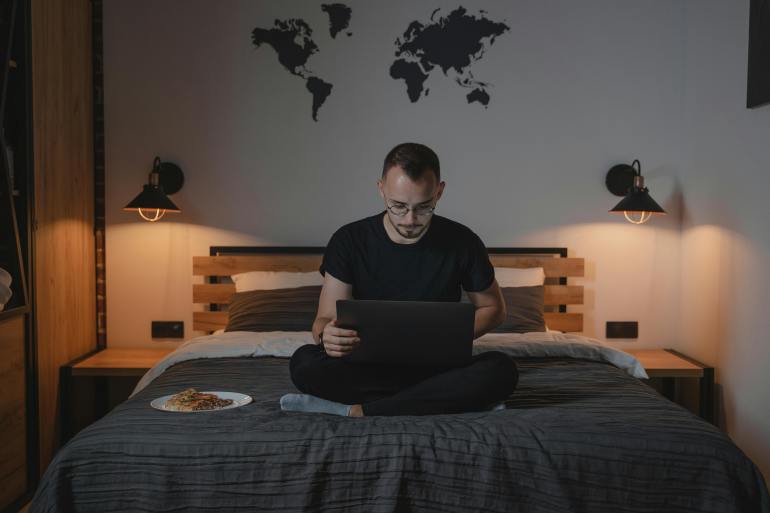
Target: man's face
x=397, y=189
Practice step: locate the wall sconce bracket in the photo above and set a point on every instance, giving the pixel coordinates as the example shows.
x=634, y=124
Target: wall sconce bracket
x=620, y=179
x=170, y=177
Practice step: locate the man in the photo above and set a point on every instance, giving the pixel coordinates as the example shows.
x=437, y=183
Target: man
x=403, y=253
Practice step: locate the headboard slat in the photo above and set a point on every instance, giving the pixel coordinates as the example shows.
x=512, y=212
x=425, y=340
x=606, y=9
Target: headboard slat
x=219, y=293
x=563, y=295
x=553, y=267
x=226, y=265
x=566, y=322
x=209, y=321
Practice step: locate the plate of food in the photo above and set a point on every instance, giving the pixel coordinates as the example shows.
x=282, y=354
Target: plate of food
x=191, y=400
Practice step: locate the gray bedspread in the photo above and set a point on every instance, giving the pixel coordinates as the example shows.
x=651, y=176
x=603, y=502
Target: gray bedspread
x=578, y=436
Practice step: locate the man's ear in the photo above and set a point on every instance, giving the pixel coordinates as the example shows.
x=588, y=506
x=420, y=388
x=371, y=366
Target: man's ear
x=379, y=188
x=440, y=190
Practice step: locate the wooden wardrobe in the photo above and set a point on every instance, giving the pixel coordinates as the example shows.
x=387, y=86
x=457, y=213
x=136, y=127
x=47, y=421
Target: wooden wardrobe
x=52, y=177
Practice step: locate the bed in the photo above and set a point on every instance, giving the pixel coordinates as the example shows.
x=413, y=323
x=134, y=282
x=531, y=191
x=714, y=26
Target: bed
x=581, y=433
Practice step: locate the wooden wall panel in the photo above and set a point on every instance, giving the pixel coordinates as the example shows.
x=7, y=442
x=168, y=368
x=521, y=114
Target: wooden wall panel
x=64, y=198
x=13, y=449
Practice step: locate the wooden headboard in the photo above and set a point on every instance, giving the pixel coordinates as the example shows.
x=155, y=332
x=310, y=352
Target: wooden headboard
x=224, y=261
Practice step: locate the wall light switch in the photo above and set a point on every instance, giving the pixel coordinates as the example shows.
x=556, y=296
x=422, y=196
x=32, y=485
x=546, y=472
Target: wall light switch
x=622, y=329
x=167, y=329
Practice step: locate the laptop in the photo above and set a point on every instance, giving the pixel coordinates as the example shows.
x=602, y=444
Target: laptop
x=436, y=333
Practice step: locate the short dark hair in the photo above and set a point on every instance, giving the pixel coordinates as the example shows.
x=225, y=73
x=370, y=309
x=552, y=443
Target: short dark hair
x=414, y=158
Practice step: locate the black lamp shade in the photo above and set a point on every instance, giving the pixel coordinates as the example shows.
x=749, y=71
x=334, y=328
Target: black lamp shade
x=638, y=200
x=164, y=176
x=627, y=181
x=152, y=197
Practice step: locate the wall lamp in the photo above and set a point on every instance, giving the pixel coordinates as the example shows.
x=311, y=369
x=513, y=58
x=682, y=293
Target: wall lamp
x=153, y=203
x=637, y=205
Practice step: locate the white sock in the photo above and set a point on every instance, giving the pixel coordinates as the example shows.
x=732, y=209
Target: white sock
x=497, y=407
x=313, y=404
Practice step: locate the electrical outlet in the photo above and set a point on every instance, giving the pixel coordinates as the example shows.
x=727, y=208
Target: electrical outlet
x=622, y=329
x=167, y=329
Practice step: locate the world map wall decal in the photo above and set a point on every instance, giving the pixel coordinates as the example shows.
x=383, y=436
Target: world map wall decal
x=339, y=18
x=450, y=43
x=293, y=41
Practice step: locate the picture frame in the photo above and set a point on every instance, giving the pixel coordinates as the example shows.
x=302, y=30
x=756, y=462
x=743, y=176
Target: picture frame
x=758, y=83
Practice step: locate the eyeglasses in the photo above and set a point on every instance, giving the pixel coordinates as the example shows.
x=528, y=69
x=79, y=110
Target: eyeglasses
x=401, y=210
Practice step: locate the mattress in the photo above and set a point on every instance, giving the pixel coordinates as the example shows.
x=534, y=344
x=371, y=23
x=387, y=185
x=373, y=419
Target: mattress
x=579, y=434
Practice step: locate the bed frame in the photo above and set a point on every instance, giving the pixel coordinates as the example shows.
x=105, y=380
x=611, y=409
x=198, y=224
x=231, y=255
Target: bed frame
x=224, y=261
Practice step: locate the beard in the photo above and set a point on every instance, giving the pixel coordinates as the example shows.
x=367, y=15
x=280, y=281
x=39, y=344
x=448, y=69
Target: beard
x=412, y=231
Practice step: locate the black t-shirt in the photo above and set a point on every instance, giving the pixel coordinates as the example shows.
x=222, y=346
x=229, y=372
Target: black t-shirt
x=447, y=257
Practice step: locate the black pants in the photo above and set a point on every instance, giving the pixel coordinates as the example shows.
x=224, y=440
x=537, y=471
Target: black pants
x=405, y=390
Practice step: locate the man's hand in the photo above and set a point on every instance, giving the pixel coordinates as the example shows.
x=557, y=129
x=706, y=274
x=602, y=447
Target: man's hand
x=490, y=309
x=339, y=341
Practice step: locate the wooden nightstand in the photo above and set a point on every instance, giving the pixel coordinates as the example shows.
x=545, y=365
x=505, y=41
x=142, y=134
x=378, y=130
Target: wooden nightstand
x=671, y=365
x=102, y=365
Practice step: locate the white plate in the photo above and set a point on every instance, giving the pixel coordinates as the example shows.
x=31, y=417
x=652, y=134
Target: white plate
x=238, y=400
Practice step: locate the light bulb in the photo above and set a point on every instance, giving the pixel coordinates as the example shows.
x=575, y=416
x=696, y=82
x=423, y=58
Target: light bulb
x=159, y=212
x=637, y=217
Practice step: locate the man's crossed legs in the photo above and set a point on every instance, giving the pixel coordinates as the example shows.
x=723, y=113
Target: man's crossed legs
x=489, y=378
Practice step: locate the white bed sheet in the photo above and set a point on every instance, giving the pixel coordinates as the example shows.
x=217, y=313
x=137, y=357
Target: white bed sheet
x=284, y=343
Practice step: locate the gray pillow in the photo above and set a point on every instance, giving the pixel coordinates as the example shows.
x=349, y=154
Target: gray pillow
x=524, y=309
x=274, y=310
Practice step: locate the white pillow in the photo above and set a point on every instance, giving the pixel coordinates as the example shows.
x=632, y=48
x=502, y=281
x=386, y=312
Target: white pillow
x=511, y=277
x=269, y=280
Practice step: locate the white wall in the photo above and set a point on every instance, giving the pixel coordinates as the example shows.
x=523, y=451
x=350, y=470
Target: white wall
x=577, y=87
x=725, y=254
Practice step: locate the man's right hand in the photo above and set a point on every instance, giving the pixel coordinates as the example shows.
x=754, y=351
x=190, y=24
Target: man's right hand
x=339, y=341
